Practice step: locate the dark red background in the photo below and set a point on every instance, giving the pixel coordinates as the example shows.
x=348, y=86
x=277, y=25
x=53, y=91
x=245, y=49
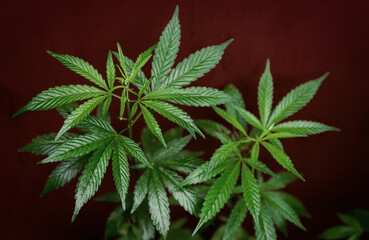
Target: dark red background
x=303, y=39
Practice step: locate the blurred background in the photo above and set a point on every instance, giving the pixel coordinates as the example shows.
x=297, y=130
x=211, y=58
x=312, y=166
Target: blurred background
x=302, y=39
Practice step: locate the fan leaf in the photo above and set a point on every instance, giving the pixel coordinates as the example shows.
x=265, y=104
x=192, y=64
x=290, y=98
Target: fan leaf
x=120, y=172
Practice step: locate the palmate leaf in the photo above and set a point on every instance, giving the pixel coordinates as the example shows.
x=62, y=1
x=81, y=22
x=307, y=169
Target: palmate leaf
x=264, y=229
x=110, y=70
x=303, y=127
x=175, y=115
x=193, y=96
x=81, y=67
x=120, y=172
x=230, y=119
x=282, y=207
x=232, y=91
x=236, y=218
x=46, y=144
x=249, y=117
x=186, y=197
x=282, y=158
x=59, y=96
x=79, y=114
x=218, y=194
x=64, y=173
x=134, y=150
x=251, y=192
x=77, y=146
x=295, y=100
x=265, y=94
x=166, y=51
x=158, y=204
x=152, y=124
x=195, y=66
x=92, y=175
x=141, y=189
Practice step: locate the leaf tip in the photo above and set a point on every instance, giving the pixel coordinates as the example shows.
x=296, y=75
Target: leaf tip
x=176, y=10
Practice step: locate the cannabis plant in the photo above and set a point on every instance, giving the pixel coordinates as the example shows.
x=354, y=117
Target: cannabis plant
x=356, y=226
x=160, y=162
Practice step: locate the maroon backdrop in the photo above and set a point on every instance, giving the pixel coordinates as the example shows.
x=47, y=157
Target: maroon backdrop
x=303, y=39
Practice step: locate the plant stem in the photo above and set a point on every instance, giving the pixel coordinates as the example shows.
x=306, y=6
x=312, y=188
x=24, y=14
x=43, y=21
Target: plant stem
x=130, y=128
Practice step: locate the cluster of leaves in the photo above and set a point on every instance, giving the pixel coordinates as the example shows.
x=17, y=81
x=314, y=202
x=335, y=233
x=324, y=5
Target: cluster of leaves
x=100, y=141
x=356, y=226
x=160, y=162
x=238, y=156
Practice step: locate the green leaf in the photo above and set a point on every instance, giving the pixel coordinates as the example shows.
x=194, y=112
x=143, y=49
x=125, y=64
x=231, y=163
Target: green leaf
x=120, y=172
x=254, y=155
x=152, y=124
x=158, y=204
x=81, y=67
x=46, y=144
x=110, y=70
x=265, y=94
x=276, y=142
x=236, y=218
x=349, y=220
x=283, y=208
x=97, y=125
x=66, y=109
x=294, y=203
x=186, y=197
x=140, y=79
x=91, y=177
x=303, y=127
x=195, y=66
x=134, y=150
x=281, y=158
x=172, y=148
x=79, y=114
x=264, y=229
x=338, y=232
x=278, y=219
x=218, y=194
x=251, y=192
x=214, y=129
x=64, y=173
x=141, y=61
x=166, y=51
x=202, y=174
x=230, y=119
x=114, y=222
x=249, y=117
x=282, y=135
x=232, y=91
x=174, y=114
x=141, y=189
x=59, y=96
x=221, y=154
x=76, y=147
x=192, y=96
x=280, y=180
x=260, y=166
x=105, y=107
x=295, y=100
x=122, y=61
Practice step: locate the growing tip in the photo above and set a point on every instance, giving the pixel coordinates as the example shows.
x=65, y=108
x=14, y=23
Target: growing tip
x=175, y=14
